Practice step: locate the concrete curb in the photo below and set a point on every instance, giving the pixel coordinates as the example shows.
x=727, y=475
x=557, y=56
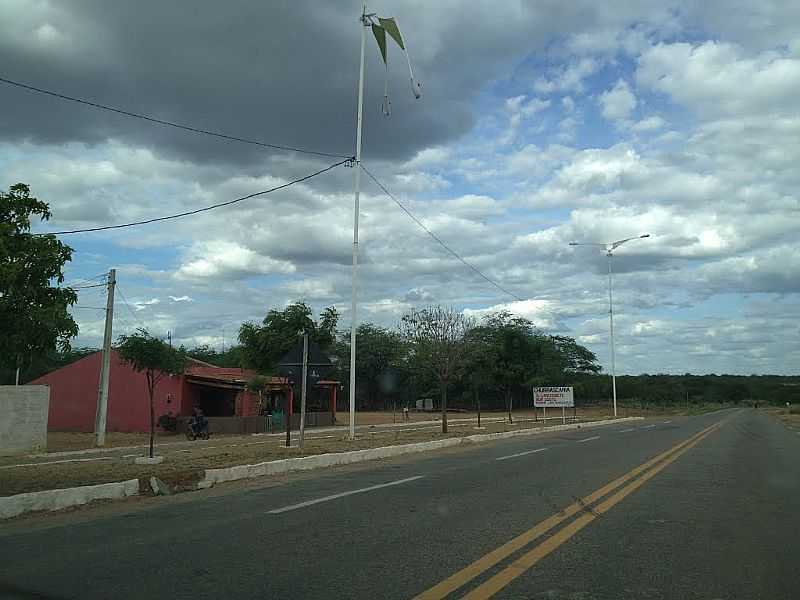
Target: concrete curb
x=286, y=465
x=50, y=500
x=12, y=506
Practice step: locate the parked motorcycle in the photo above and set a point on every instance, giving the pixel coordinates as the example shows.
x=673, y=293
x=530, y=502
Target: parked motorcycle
x=196, y=430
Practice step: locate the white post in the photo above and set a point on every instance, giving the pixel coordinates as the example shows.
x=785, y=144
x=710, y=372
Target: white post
x=16, y=379
x=611, y=327
x=102, y=392
x=563, y=415
x=303, y=391
x=357, y=190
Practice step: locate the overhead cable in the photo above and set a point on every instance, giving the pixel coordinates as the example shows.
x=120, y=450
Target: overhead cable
x=200, y=210
x=439, y=240
x=150, y=119
x=128, y=306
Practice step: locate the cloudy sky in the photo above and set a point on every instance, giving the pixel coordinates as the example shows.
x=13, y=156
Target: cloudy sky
x=540, y=123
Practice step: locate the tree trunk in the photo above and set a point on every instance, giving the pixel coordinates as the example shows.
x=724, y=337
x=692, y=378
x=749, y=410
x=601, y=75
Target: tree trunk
x=477, y=404
x=444, y=407
x=508, y=405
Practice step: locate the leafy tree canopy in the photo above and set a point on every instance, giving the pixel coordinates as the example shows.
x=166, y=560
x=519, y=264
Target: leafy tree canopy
x=264, y=345
x=34, y=317
x=232, y=357
x=150, y=355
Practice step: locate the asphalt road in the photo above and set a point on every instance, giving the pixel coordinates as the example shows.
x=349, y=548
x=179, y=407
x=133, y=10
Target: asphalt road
x=703, y=507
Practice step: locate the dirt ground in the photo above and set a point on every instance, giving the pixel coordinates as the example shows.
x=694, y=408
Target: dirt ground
x=788, y=416
x=184, y=468
x=60, y=441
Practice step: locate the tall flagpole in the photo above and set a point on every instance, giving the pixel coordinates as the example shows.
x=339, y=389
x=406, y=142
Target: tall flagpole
x=357, y=190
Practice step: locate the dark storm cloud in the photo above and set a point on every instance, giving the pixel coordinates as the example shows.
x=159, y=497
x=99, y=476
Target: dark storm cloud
x=283, y=72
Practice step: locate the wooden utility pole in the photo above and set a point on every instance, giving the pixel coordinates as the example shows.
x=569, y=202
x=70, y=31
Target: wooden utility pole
x=102, y=392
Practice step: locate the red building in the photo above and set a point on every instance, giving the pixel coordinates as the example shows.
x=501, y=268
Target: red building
x=220, y=392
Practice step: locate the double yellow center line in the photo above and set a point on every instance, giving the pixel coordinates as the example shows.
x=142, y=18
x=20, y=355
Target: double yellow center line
x=627, y=483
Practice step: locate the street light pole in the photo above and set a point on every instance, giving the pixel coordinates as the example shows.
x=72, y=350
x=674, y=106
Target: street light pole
x=357, y=190
x=609, y=248
x=611, y=329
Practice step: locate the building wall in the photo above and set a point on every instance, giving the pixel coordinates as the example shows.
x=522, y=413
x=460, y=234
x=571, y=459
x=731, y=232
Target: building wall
x=23, y=424
x=128, y=400
x=73, y=396
x=247, y=404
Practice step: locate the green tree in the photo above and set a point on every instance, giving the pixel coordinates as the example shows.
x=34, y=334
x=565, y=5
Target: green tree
x=514, y=352
x=258, y=384
x=438, y=340
x=34, y=317
x=574, y=358
x=232, y=357
x=480, y=360
x=264, y=345
x=379, y=360
x=153, y=357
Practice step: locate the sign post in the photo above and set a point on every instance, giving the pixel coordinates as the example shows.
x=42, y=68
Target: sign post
x=554, y=397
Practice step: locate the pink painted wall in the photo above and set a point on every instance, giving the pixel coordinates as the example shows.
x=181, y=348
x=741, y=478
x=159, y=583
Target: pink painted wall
x=73, y=396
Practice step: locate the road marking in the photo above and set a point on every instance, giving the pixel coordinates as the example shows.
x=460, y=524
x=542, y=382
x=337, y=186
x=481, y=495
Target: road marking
x=529, y=559
x=667, y=422
x=589, y=439
x=521, y=454
x=131, y=455
x=486, y=562
x=627, y=430
x=343, y=494
x=647, y=427
x=56, y=462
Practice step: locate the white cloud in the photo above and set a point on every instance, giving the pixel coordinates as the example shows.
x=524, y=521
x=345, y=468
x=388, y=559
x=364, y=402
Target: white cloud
x=719, y=78
x=618, y=103
x=427, y=158
x=567, y=78
x=180, y=298
x=221, y=259
x=649, y=124
x=540, y=312
x=520, y=108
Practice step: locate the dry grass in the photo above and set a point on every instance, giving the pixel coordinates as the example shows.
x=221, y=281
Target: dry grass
x=59, y=441
x=788, y=416
x=183, y=468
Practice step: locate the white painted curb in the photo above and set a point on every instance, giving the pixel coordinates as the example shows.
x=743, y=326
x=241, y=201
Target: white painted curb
x=286, y=465
x=11, y=506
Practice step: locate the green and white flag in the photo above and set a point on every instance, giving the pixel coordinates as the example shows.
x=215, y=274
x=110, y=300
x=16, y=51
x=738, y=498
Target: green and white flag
x=379, y=30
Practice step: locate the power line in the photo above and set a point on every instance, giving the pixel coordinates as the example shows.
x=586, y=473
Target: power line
x=199, y=210
x=85, y=281
x=144, y=117
x=437, y=238
x=128, y=306
x=85, y=287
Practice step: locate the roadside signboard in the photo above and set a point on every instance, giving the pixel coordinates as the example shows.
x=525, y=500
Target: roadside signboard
x=553, y=397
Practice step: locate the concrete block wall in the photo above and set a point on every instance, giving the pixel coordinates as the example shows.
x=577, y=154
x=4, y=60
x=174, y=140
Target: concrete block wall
x=23, y=418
